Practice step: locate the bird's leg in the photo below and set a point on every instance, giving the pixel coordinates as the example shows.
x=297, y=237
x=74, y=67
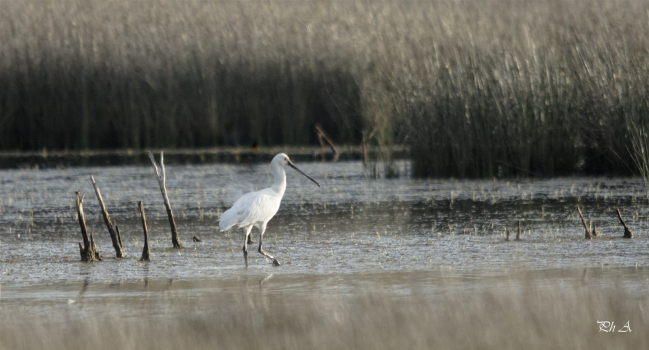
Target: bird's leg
x=245, y=244
x=245, y=253
x=261, y=236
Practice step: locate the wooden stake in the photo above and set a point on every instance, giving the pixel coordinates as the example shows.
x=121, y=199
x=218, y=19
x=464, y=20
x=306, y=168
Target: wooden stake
x=594, y=233
x=323, y=137
x=627, y=232
x=82, y=222
x=119, y=235
x=160, y=172
x=88, y=250
x=507, y=232
x=588, y=235
x=114, y=234
x=146, y=253
x=518, y=235
x=364, y=144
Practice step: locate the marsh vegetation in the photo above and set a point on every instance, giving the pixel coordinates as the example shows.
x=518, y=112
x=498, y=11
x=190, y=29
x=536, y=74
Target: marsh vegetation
x=483, y=89
x=476, y=88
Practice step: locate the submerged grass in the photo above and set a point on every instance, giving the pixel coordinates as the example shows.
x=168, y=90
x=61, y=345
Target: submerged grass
x=535, y=316
x=477, y=88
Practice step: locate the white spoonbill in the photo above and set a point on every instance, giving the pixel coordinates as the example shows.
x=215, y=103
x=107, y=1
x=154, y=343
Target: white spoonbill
x=257, y=208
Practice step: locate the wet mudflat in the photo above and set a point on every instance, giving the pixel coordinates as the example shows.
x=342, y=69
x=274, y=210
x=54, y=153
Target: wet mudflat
x=352, y=242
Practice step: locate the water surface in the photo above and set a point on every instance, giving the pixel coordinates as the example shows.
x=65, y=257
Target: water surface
x=353, y=234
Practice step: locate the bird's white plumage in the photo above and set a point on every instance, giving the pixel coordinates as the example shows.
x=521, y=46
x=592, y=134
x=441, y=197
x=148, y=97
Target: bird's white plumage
x=257, y=208
x=253, y=208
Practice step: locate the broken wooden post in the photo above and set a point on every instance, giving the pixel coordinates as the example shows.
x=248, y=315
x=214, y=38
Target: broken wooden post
x=518, y=235
x=507, y=232
x=364, y=144
x=588, y=235
x=160, y=172
x=323, y=137
x=119, y=235
x=88, y=250
x=627, y=232
x=594, y=233
x=114, y=234
x=146, y=252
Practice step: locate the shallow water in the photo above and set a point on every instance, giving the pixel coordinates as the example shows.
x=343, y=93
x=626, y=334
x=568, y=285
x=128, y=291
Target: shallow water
x=354, y=233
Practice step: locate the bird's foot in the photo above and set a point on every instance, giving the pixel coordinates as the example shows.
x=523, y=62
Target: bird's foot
x=275, y=262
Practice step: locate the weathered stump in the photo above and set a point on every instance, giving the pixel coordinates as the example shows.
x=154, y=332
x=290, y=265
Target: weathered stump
x=518, y=235
x=114, y=233
x=119, y=235
x=507, y=232
x=88, y=250
x=160, y=173
x=627, y=232
x=588, y=235
x=146, y=252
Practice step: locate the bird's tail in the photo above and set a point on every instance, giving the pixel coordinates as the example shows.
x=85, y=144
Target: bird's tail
x=227, y=220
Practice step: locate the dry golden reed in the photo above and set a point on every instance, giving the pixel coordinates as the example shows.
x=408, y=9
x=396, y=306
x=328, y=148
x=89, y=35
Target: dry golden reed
x=476, y=88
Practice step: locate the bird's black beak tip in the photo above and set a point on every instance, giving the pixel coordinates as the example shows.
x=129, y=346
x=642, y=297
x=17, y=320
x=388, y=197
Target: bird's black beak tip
x=301, y=172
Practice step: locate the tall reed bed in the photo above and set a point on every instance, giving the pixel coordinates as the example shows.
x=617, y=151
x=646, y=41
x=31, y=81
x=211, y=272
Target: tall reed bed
x=476, y=88
x=168, y=73
x=543, y=88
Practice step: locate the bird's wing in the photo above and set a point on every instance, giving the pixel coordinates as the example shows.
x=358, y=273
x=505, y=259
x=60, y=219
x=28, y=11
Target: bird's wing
x=249, y=209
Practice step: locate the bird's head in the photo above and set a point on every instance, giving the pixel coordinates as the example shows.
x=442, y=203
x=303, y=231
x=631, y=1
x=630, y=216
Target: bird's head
x=283, y=160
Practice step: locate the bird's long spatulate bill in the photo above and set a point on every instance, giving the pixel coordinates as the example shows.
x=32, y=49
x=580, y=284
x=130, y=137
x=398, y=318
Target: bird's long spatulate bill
x=301, y=172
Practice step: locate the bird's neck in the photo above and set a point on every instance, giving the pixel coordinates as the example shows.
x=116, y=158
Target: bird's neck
x=279, y=186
